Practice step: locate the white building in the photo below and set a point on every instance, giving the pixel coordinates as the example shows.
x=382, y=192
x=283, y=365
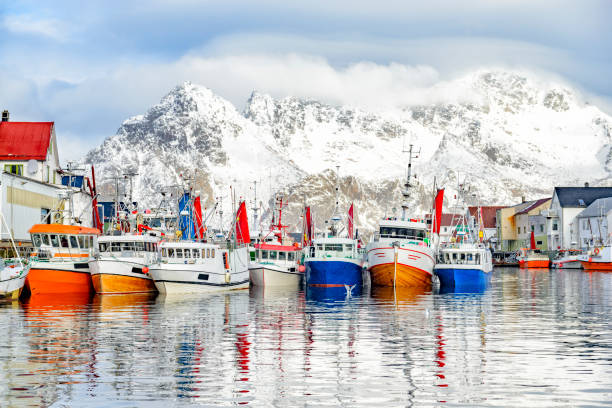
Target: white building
x=591, y=225
x=566, y=204
x=30, y=181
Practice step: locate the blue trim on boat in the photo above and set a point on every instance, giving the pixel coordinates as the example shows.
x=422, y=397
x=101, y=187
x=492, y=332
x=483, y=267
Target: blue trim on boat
x=462, y=278
x=336, y=272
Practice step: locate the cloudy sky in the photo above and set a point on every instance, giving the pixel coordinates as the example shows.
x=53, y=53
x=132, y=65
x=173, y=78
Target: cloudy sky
x=88, y=65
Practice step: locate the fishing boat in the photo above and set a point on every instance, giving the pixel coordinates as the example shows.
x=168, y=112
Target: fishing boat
x=13, y=271
x=192, y=267
x=597, y=259
x=122, y=262
x=273, y=263
x=60, y=263
x=464, y=262
x=401, y=252
x=532, y=257
x=567, y=259
x=464, y=265
x=332, y=260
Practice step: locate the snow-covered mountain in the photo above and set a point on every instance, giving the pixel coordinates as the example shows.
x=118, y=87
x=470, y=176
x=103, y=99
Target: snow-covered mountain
x=516, y=135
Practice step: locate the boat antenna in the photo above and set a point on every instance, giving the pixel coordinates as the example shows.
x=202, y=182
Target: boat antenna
x=255, y=208
x=412, y=154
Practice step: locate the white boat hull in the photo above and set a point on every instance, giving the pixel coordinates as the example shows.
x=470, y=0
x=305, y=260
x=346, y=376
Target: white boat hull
x=202, y=275
x=271, y=276
x=12, y=280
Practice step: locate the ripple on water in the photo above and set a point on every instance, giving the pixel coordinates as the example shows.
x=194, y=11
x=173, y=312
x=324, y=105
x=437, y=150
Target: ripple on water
x=533, y=338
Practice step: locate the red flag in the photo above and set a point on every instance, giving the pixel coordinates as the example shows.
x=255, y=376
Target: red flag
x=199, y=227
x=533, y=245
x=242, y=225
x=438, y=211
x=350, y=222
x=308, y=232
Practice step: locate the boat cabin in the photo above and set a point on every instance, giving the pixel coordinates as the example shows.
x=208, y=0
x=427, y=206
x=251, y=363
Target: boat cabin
x=190, y=252
x=60, y=241
x=127, y=245
x=270, y=253
x=334, y=248
x=415, y=231
x=458, y=256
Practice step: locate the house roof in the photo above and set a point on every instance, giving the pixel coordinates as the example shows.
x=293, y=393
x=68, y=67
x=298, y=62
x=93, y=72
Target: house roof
x=451, y=219
x=25, y=140
x=597, y=207
x=533, y=205
x=572, y=196
x=489, y=214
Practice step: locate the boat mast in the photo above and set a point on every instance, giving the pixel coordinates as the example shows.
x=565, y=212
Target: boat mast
x=336, y=214
x=412, y=154
x=254, y=208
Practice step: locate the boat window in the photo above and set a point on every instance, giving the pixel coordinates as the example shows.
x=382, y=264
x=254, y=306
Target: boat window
x=64, y=241
x=116, y=246
x=282, y=256
x=55, y=241
x=273, y=255
x=253, y=255
x=91, y=241
x=477, y=259
x=147, y=246
x=212, y=253
x=264, y=254
x=348, y=247
x=127, y=246
x=45, y=239
x=36, y=240
x=187, y=253
x=469, y=258
x=139, y=246
x=164, y=253
x=82, y=241
x=103, y=247
x=291, y=256
x=179, y=252
x=170, y=252
x=333, y=247
x=195, y=253
x=320, y=247
x=206, y=253
x=73, y=242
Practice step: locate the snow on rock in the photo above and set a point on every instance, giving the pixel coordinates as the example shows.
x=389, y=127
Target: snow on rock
x=516, y=135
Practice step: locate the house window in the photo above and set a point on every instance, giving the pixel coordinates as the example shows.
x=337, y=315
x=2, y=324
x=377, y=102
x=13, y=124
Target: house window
x=555, y=226
x=47, y=174
x=532, y=228
x=541, y=227
x=14, y=169
x=538, y=242
x=44, y=216
x=519, y=230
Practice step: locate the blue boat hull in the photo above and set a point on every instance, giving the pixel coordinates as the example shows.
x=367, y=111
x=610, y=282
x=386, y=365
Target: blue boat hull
x=325, y=273
x=467, y=279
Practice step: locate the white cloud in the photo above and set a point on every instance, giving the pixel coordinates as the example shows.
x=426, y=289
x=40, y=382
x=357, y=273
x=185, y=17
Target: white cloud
x=27, y=24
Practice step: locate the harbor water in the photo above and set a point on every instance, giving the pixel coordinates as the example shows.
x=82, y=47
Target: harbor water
x=532, y=338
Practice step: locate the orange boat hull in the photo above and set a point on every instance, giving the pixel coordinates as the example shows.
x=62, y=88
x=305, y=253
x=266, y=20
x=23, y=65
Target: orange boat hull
x=538, y=264
x=597, y=266
x=382, y=275
x=109, y=283
x=42, y=281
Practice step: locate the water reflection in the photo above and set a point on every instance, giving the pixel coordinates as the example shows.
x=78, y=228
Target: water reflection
x=534, y=337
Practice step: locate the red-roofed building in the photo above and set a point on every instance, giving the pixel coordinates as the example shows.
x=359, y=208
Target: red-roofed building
x=29, y=182
x=29, y=149
x=489, y=221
